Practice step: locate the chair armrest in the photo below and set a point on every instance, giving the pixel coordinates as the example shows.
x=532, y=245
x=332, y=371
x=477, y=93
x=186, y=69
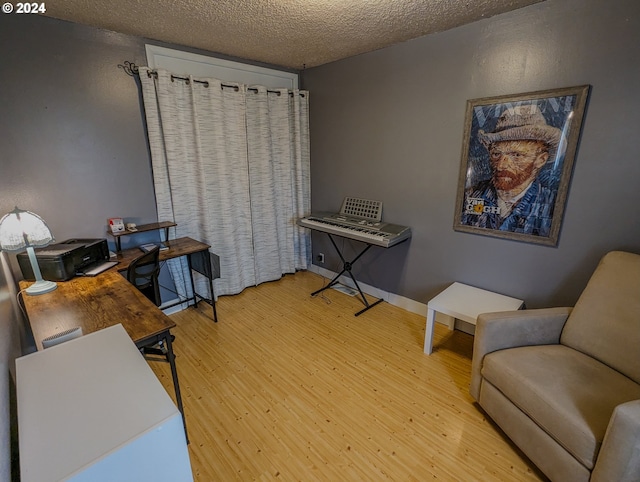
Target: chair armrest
x=509, y=329
x=619, y=457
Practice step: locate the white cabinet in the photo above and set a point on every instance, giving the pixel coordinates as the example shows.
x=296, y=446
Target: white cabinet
x=91, y=409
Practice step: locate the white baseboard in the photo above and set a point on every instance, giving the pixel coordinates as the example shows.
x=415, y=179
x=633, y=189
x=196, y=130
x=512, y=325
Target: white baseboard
x=173, y=309
x=392, y=298
x=408, y=304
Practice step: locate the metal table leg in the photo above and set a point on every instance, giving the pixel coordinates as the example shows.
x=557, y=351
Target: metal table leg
x=346, y=267
x=171, y=358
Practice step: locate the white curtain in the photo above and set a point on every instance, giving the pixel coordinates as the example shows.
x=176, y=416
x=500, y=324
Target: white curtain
x=231, y=168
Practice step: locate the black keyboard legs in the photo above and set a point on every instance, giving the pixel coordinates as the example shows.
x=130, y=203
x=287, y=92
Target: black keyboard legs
x=346, y=268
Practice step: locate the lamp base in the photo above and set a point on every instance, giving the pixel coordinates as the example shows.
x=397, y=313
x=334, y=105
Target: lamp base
x=40, y=287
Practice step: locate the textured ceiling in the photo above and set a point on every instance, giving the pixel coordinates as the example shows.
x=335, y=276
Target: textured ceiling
x=288, y=33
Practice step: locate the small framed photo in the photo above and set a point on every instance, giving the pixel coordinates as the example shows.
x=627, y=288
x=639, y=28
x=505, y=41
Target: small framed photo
x=116, y=225
x=517, y=158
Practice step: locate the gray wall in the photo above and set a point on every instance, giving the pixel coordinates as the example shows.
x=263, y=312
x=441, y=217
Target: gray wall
x=388, y=125
x=72, y=132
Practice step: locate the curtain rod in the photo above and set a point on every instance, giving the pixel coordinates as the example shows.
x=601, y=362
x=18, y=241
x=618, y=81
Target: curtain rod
x=132, y=69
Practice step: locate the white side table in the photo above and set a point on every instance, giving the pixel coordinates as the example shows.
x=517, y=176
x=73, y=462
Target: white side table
x=465, y=303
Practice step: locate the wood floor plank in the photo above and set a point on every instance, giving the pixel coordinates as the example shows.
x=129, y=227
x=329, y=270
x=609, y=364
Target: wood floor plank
x=289, y=387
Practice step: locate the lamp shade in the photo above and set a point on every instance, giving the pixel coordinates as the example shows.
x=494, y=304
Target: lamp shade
x=20, y=229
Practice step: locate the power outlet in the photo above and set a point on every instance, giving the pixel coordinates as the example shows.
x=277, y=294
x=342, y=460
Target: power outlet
x=320, y=258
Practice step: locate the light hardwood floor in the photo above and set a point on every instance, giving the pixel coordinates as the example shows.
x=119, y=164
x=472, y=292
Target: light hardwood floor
x=289, y=387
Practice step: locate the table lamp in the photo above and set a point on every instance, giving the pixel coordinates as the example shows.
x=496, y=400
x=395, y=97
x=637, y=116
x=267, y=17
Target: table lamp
x=23, y=229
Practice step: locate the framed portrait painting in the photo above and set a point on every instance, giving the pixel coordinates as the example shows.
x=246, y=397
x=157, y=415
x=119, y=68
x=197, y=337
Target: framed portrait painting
x=517, y=159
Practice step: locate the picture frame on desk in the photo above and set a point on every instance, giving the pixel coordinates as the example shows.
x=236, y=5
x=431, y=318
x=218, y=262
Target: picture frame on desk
x=517, y=160
x=116, y=225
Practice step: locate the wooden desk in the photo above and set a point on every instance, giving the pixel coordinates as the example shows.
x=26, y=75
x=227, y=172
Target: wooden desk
x=94, y=303
x=176, y=248
x=198, y=257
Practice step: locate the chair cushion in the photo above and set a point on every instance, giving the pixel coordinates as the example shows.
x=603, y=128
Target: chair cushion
x=605, y=322
x=568, y=394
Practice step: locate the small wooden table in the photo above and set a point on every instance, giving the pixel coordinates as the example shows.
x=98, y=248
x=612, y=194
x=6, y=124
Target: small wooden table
x=464, y=303
x=94, y=303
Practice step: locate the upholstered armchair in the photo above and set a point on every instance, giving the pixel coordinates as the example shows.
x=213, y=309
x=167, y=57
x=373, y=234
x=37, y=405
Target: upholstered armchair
x=563, y=383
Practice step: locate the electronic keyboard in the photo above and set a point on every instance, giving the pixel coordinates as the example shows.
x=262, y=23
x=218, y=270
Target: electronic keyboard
x=359, y=219
x=369, y=231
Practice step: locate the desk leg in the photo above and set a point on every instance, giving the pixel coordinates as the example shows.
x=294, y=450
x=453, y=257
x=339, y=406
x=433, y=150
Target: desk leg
x=193, y=286
x=213, y=300
x=428, y=332
x=203, y=266
x=176, y=386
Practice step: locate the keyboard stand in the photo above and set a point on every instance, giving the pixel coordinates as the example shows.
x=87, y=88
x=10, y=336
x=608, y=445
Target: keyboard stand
x=346, y=267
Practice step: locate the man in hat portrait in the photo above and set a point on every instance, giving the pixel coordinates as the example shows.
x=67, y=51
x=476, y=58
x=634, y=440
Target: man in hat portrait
x=517, y=197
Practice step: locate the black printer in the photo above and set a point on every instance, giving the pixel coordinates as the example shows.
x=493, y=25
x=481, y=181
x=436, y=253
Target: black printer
x=61, y=261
